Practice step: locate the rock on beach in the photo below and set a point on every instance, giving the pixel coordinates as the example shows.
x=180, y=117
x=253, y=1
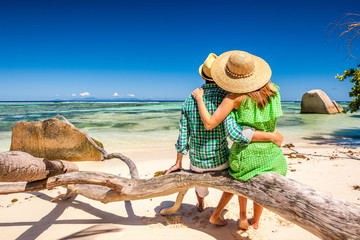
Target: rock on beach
x=317, y=101
x=52, y=139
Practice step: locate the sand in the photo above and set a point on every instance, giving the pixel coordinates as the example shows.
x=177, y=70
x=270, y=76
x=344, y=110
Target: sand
x=329, y=168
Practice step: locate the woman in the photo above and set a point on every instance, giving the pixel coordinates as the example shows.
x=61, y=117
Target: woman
x=255, y=102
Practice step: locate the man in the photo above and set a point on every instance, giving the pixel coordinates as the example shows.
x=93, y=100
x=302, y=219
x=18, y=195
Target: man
x=208, y=149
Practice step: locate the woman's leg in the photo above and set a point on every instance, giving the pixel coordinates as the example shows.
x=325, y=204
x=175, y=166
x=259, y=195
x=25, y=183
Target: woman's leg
x=243, y=223
x=216, y=216
x=257, y=214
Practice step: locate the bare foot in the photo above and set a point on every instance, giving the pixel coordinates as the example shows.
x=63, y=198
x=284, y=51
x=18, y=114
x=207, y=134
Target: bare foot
x=200, y=207
x=243, y=224
x=219, y=221
x=255, y=225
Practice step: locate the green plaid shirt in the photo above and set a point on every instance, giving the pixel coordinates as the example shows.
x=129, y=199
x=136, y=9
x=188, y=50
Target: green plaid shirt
x=208, y=148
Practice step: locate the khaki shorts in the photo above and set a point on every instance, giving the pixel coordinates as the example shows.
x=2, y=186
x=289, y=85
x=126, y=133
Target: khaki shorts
x=204, y=191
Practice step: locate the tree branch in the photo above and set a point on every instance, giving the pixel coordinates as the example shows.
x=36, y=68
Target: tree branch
x=351, y=25
x=20, y=166
x=132, y=167
x=322, y=214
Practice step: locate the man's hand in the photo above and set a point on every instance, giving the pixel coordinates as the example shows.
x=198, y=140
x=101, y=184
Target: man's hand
x=278, y=138
x=173, y=168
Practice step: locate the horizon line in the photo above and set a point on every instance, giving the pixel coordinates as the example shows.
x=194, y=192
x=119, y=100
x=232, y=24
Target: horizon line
x=122, y=100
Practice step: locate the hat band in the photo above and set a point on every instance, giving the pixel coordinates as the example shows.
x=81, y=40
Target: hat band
x=238, y=75
x=206, y=76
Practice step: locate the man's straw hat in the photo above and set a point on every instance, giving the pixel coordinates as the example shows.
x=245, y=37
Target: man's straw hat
x=240, y=72
x=204, y=69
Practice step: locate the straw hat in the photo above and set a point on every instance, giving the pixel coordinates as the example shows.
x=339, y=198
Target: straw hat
x=204, y=69
x=240, y=72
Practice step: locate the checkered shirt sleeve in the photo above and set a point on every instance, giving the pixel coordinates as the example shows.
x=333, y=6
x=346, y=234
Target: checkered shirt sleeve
x=236, y=133
x=182, y=144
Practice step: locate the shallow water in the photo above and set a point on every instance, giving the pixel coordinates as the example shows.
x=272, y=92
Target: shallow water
x=340, y=129
x=137, y=126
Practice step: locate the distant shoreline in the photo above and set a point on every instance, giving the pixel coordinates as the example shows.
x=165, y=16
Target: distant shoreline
x=94, y=101
x=121, y=101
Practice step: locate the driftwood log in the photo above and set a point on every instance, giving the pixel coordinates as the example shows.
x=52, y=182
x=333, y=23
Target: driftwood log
x=21, y=166
x=321, y=214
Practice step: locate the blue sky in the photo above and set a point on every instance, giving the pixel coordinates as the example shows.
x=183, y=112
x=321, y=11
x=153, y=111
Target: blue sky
x=153, y=49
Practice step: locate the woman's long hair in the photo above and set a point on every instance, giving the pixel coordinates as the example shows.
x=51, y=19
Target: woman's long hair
x=263, y=95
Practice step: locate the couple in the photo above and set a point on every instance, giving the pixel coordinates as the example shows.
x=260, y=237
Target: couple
x=239, y=101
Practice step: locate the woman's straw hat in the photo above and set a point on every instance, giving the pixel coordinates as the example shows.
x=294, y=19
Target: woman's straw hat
x=240, y=72
x=204, y=69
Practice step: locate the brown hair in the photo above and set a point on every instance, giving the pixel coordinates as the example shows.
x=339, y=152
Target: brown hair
x=262, y=96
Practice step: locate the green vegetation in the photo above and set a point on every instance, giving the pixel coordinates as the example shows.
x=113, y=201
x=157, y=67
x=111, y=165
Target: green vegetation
x=353, y=30
x=354, y=77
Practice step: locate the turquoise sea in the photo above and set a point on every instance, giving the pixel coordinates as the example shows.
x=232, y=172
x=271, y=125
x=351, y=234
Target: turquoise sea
x=138, y=126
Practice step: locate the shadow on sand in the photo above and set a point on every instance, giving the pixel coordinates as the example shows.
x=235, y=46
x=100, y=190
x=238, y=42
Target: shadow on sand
x=349, y=137
x=187, y=216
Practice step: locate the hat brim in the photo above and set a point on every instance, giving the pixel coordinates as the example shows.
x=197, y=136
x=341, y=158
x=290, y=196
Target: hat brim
x=201, y=72
x=223, y=79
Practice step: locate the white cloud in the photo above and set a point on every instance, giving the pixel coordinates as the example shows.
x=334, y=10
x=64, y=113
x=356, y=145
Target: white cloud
x=131, y=95
x=74, y=95
x=115, y=94
x=85, y=94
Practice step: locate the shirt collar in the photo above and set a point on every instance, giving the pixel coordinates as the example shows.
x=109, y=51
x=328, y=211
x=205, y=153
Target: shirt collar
x=209, y=85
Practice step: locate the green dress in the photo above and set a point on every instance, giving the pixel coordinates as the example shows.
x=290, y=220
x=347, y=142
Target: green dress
x=256, y=158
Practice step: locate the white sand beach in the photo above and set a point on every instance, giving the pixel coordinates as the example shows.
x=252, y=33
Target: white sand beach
x=329, y=168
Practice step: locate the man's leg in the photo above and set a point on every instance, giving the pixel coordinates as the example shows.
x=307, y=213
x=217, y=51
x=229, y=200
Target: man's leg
x=216, y=216
x=201, y=193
